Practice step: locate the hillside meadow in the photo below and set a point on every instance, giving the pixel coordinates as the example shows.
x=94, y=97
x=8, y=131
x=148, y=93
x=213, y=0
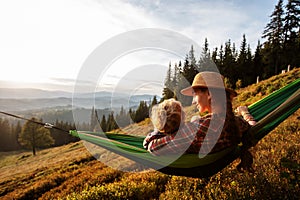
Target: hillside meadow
x=71, y=172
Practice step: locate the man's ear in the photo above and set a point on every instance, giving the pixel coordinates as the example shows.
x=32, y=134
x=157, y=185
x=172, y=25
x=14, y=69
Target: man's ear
x=208, y=95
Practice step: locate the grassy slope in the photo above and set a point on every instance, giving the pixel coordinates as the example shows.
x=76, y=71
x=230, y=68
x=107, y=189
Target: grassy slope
x=71, y=172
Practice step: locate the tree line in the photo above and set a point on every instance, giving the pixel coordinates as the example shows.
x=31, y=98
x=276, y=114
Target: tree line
x=32, y=136
x=123, y=118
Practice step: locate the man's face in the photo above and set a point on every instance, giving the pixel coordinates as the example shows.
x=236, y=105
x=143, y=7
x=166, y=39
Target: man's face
x=201, y=100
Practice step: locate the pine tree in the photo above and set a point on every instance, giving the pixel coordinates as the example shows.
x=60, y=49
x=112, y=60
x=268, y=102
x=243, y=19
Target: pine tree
x=229, y=64
x=243, y=53
x=5, y=135
x=142, y=112
x=258, y=61
x=103, y=124
x=274, y=33
x=205, y=62
x=179, y=66
x=131, y=114
x=214, y=56
x=241, y=61
x=114, y=124
x=111, y=122
x=249, y=70
x=93, y=122
x=274, y=29
x=34, y=136
x=291, y=19
x=221, y=55
x=291, y=32
x=175, y=80
x=185, y=78
x=245, y=64
x=154, y=101
x=234, y=52
x=168, y=90
x=15, y=132
x=192, y=59
x=122, y=118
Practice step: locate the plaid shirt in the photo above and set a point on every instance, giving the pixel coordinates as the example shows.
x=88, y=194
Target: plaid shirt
x=204, y=135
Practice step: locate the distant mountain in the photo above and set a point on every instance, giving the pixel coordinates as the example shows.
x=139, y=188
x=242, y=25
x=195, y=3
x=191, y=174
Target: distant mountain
x=36, y=99
x=29, y=93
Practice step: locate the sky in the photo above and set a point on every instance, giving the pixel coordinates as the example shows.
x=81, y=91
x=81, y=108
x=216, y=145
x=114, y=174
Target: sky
x=46, y=44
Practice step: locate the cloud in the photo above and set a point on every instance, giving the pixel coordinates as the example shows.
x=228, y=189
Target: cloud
x=65, y=81
x=218, y=20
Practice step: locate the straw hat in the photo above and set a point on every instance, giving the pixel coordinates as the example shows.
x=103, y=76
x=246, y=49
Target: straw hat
x=211, y=80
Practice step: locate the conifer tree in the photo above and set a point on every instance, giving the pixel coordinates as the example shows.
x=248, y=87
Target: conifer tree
x=243, y=53
x=214, y=56
x=168, y=90
x=131, y=114
x=221, y=56
x=274, y=33
x=94, y=121
x=4, y=134
x=249, y=71
x=234, y=52
x=175, y=79
x=205, y=62
x=244, y=63
x=142, y=112
x=241, y=61
x=103, y=124
x=111, y=122
x=258, y=61
x=122, y=118
x=274, y=29
x=229, y=64
x=34, y=136
x=185, y=79
x=192, y=59
x=154, y=101
x=15, y=133
x=291, y=33
x=291, y=19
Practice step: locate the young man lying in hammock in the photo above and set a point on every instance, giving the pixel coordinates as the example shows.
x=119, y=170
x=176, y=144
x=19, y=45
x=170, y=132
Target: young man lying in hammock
x=217, y=130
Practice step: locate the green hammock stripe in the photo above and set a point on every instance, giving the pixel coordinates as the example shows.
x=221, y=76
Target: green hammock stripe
x=273, y=119
x=178, y=161
x=136, y=141
x=266, y=105
x=269, y=112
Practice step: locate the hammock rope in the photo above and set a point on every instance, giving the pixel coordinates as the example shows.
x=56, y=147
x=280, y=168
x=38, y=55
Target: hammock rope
x=45, y=124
